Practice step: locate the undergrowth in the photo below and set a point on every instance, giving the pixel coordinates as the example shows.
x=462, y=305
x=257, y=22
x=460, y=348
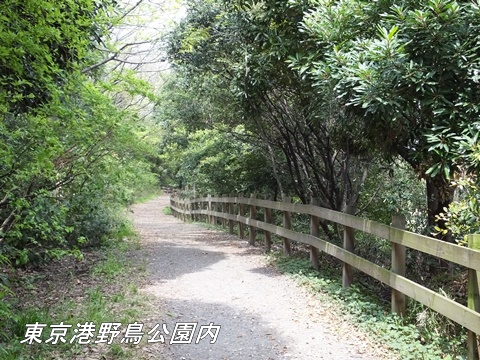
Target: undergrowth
x=167, y=210
x=411, y=337
x=106, y=298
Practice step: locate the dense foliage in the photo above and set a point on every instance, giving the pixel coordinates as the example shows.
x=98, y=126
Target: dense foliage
x=412, y=78
x=70, y=155
x=76, y=147
x=337, y=94
x=243, y=49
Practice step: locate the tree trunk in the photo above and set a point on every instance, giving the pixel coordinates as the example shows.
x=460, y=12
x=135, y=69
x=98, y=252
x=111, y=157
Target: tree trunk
x=439, y=197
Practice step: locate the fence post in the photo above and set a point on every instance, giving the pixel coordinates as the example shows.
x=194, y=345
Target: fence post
x=349, y=245
x=473, y=299
x=185, y=210
x=224, y=211
x=205, y=207
x=230, y=211
x=314, y=231
x=181, y=206
x=287, y=224
x=180, y=209
x=398, y=266
x=241, y=232
x=215, y=209
x=197, y=208
x=172, y=204
x=209, y=209
x=267, y=217
x=177, y=204
x=191, y=207
x=253, y=213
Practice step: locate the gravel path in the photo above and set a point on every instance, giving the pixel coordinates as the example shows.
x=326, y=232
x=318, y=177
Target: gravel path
x=204, y=276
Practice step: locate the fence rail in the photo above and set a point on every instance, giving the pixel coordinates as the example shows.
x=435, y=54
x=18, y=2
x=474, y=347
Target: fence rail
x=243, y=211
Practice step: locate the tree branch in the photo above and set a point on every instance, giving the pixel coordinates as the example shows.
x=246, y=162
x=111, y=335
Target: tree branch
x=112, y=57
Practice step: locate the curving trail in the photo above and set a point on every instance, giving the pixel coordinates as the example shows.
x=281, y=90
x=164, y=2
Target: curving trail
x=204, y=276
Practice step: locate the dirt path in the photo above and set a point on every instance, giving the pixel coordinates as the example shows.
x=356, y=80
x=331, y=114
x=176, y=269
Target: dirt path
x=204, y=276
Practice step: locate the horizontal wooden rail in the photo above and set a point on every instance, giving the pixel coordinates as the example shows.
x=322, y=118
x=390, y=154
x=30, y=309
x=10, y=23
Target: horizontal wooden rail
x=470, y=258
x=451, y=252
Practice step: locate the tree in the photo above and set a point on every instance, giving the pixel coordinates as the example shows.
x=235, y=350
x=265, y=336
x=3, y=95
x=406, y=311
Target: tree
x=68, y=150
x=200, y=148
x=409, y=75
x=41, y=41
x=244, y=47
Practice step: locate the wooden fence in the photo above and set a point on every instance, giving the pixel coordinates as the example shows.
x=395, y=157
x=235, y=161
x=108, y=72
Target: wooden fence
x=243, y=211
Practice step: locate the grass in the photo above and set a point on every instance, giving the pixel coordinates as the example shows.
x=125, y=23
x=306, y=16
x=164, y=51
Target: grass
x=106, y=297
x=167, y=210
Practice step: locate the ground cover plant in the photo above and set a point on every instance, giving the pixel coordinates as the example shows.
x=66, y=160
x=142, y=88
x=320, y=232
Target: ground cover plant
x=75, y=291
x=421, y=334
